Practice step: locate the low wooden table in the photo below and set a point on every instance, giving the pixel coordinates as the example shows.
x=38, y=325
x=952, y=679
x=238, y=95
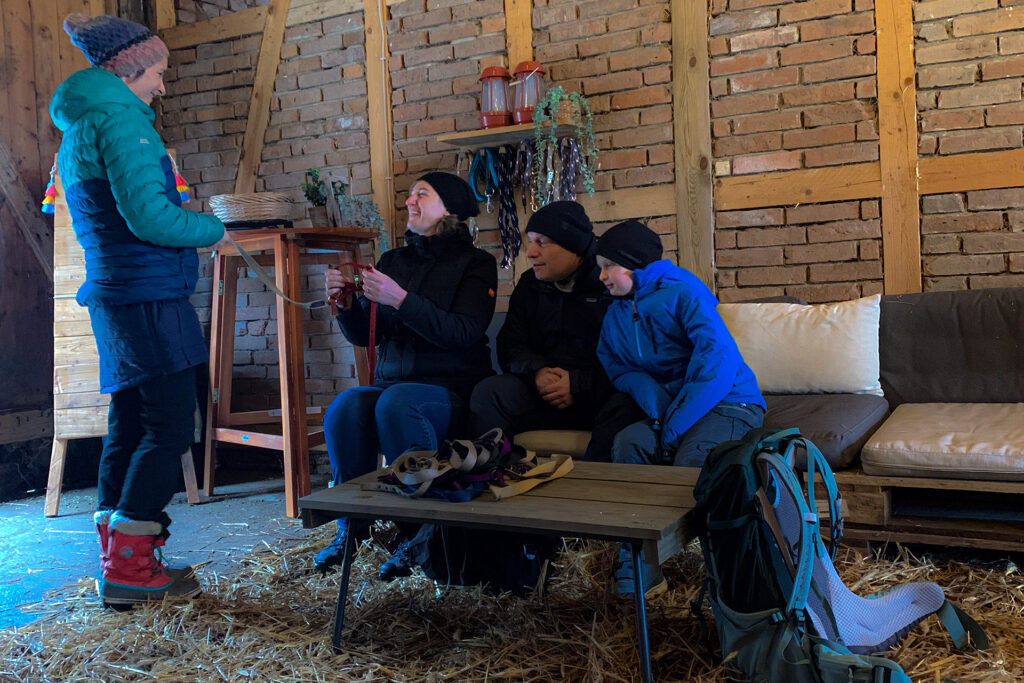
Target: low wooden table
x=645, y=506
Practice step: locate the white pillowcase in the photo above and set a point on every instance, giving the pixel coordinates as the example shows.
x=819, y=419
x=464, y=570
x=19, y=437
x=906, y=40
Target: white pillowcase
x=819, y=349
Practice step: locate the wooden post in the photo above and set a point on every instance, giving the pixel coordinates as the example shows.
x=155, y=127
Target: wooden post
x=378, y=93
x=691, y=118
x=897, y=128
x=518, y=31
x=262, y=91
x=165, y=15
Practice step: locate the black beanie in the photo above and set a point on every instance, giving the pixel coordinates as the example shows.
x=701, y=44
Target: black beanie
x=454, y=192
x=566, y=223
x=630, y=244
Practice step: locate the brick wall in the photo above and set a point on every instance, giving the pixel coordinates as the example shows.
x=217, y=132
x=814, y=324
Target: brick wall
x=793, y=87
x=818, y=252
x=618, y=53
x=972, y=240
x=437, y=54
x=970, y=68
x=318, y=119
x=189, y=11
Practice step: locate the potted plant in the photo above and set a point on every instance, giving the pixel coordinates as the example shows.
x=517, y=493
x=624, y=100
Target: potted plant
x=355, y=211
x=316, y=194
x=561, y=107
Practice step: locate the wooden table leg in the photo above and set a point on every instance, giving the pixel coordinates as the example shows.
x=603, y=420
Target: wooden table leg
x=56, y=478
x=291, y=361
x=641, y=612
x=222, y=351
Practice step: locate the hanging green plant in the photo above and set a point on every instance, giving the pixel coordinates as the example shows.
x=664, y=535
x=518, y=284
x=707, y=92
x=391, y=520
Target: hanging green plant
x=546, y=153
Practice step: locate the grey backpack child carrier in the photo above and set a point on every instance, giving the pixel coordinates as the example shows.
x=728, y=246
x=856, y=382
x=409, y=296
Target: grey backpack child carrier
x=781, y=611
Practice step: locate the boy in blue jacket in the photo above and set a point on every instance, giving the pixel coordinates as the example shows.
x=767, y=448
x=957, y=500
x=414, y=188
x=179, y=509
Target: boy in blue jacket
x=664, y=343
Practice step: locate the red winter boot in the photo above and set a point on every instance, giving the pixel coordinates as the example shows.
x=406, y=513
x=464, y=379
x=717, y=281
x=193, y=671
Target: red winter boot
x=102, y=520
x=133, y=574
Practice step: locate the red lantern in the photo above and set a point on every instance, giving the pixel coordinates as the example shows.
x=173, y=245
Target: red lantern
x=494, y=100
x=529, y=89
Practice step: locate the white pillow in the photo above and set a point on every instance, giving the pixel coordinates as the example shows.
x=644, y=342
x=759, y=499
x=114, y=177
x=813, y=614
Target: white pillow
x=819, y=349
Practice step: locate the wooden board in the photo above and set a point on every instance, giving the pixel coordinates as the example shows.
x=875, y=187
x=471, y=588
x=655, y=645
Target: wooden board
x=378, y=95
x=518, y=31
x=966, y=172
x=691, y=120
x=806, y=186
x=24, y=207
x=79, y=423
x=897, y=130
x=633, y=202
x=235, y=25
x=262, y=92
x=25, y=425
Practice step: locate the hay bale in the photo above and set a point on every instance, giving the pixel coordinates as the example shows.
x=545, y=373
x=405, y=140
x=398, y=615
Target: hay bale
x=271, y=621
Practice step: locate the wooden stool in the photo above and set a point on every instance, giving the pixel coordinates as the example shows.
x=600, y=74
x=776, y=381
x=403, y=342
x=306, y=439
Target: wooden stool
x=295, y=436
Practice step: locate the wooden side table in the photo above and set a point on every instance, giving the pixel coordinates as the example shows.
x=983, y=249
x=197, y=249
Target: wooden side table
x=283, y=250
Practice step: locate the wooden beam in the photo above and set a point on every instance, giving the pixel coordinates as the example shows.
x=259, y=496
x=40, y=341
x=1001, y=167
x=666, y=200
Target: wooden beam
x=897, y=126
x=691, y=119
x=249, y=21
x=305, y=11
x=378, y=94
x=518, y=31
x=165, y=14
x=243, y=23
x=262, y=91
x=965, y=172
x=633, y=202
x=806, y=186
x=26, y=425
x=25, y=209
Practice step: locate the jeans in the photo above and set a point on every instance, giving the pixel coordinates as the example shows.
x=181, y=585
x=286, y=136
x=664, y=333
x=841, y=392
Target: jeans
x=363, y=422
x=639, y=443
x=508, y=402
x=149, y=426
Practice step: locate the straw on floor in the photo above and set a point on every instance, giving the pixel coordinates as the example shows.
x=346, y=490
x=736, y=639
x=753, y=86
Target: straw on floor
x=271, y=621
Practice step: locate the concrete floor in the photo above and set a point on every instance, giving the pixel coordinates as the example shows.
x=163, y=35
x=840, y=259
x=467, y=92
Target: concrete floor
x=39, y=554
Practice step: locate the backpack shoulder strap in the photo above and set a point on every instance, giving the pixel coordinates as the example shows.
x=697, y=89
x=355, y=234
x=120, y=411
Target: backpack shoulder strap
x=816, y=462
x=960, y=626
x=773, y=467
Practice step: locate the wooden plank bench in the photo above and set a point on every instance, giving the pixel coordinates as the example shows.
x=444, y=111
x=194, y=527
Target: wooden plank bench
x=646, y=506
x=948, y=512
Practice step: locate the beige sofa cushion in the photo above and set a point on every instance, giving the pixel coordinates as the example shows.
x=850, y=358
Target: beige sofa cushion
x=563, y=441
x=949, y=441
x=820, y=349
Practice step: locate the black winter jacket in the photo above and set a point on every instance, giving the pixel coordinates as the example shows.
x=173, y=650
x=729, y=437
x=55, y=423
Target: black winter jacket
x=438, y=335
x=546, y=327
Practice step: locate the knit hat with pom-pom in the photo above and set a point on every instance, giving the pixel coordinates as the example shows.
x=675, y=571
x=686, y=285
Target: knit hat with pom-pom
x=122, y=47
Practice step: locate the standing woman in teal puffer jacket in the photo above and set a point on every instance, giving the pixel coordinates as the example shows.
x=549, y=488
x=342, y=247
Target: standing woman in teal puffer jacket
x=141, y=267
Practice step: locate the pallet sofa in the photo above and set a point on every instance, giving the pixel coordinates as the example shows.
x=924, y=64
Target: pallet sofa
x=916, y=400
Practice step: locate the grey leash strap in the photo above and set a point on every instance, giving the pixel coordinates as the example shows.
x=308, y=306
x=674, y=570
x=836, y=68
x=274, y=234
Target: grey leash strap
x=263, y=276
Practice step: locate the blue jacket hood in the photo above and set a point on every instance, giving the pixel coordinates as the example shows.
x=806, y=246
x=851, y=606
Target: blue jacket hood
x=92, y=89
x=656, y=276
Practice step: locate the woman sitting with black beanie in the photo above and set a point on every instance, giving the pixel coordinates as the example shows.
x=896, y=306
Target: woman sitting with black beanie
x=435, y=299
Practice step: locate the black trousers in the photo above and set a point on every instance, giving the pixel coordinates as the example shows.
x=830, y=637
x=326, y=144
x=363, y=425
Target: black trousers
x=149, y=426
x=508, y=402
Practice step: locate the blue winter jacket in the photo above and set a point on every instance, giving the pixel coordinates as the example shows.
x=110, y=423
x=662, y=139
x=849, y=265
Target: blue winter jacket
x=140, y=258
x=669, y=349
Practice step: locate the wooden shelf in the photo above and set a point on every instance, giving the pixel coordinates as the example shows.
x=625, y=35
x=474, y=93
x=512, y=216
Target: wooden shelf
x=495, y=137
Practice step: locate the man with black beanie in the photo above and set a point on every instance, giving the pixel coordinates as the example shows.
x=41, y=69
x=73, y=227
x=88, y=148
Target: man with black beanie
x=664, y=343
x=547, y=345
